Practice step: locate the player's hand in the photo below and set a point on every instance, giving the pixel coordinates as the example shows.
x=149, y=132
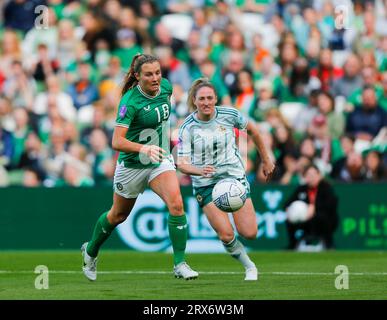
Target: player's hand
x=154, y=153
x=207, y=171
x=268, y=169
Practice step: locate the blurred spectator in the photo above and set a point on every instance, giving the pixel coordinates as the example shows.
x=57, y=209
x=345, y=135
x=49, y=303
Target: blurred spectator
x=306, y=114
x=98, y=122
x=34, y=155
x=63, y=100
x=19, y=87
x=149, y=17
x=366, y=121
x=96, y=30
x=290, y=174
x=307, y=148
x=336, y=121
x=264, y=101
x=102, y=164
x=367, y=39
x=258, y=52
x=19, y=135
x=57, y=154
x=322, y=219
x=353, y=169
x=374, y=169
x=127, y=47
x=280, y=8
x=283, y=146
x=44, y=66
x=208, y=70
x=173, y=69
x=164, y=38
x=351, y=79
x=74, y=175
x=369, y=79
x=326, y=72
x=245, y=98
x=300, y=82
x=7, y=121
x=201, y=26
x=347, y=142
x=319, y=132
x=233, y=65
x=10, y=51
x=67, y=43
x=31, y=178
x=83, y=92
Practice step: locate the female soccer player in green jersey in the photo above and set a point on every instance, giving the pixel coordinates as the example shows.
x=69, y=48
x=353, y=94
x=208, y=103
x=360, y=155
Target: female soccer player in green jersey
x=141, y=138
x=207, y=151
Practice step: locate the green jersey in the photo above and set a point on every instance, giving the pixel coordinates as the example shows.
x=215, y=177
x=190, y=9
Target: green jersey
x=146, y=118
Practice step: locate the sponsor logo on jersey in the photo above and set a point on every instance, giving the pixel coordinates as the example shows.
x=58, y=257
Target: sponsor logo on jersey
x=122, y=111
x=119, y=186
x=147, y=108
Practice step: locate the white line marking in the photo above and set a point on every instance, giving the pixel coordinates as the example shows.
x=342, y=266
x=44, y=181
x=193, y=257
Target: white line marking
x=203, y=272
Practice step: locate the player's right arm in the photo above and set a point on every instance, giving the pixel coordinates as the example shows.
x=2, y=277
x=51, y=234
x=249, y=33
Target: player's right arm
x=122, y=144
x=125, y=115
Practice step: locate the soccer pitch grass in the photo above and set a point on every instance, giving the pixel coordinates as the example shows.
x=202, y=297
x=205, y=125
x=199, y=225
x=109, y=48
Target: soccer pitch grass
x=148, y=276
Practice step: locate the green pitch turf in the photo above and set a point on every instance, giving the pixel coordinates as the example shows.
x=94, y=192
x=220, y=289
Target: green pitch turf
x=133, y=275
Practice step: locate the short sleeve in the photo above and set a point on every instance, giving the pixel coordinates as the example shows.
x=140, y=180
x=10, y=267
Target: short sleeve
x=240, y=121
x=125, y=114
x=184, y=143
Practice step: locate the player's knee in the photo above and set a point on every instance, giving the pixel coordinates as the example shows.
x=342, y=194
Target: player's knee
x=226, y=236
x=176, y=206
x=118, y=217
x=250, y=234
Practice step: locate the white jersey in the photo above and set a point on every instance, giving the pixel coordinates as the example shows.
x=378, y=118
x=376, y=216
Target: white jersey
x=213, y=143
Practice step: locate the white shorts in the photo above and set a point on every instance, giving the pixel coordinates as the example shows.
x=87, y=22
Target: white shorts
x=129, y=182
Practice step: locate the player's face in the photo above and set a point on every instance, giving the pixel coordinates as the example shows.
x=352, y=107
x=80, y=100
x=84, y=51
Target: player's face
x=149, y=78
x=205, y=100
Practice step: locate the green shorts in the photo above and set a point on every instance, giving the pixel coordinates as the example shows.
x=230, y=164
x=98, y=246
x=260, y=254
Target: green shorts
x=204, y=194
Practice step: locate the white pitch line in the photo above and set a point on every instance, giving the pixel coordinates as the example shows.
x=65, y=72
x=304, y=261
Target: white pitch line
x=203, y=272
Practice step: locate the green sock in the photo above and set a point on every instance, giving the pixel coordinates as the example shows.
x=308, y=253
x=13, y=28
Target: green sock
x=177, y=227
x=102, y=231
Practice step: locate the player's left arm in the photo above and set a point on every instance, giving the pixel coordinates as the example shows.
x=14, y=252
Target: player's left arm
x=268, y=165
x=185, y=166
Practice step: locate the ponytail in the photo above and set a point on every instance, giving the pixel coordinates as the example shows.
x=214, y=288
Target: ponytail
x=197, y=84
x=130, y=79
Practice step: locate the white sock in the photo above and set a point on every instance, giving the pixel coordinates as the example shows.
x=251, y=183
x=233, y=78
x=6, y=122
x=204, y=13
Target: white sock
x=237, y=251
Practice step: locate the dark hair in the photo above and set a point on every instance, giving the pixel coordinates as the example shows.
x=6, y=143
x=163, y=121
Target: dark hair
x=310, y=166
x=368, y=87
x=137, y=62
x=198, y=83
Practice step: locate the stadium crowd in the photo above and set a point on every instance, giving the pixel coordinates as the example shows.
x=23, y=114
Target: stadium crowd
x=312, y=73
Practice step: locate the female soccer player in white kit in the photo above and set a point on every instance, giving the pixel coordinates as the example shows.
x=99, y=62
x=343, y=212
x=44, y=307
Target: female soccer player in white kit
x=208, y=152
